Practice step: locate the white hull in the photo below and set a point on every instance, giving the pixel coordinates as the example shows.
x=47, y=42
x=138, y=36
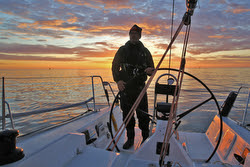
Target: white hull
x=84, y=142
x=65, y=146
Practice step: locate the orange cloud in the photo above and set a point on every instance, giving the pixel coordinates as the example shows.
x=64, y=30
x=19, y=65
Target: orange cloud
x=223, y=29
x=147, y=28
x=108, y=4
x=151, y=28
x=217, y=1
x=73, y=19
x=163, y=46
x=45, y=23
x=8, y=13
x=70, y=2
x=238, y=10
x=50, y=24
x=101, y=28
x=118, y=5
x=220, y=37
x=97, y=54
x=215, y=63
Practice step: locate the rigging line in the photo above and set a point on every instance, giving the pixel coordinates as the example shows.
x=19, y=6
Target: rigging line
x=165, y=146
x=172, y=115
x=184, y=49
x=135, y=105
x=172, y=26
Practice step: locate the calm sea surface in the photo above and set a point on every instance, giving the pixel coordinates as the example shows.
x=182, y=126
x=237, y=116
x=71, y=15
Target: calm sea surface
x=34, y=90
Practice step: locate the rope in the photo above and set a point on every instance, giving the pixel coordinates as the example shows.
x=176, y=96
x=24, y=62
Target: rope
x=172, y=26
x=172, y=115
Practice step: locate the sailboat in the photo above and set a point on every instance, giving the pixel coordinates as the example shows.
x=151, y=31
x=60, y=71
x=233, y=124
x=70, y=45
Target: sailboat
x=95, y=138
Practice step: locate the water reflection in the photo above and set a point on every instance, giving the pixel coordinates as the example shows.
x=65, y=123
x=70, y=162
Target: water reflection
x=38, y=89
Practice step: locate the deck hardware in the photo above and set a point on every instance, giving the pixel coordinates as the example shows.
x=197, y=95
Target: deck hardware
x=158, y=148
x=9, y=152
x=228, y=104
x=239, y=158
x=89, y=137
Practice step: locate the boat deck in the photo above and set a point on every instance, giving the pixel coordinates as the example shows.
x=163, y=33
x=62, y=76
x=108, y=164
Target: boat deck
x=197, y=146
x=100, y=157
x=67, y=146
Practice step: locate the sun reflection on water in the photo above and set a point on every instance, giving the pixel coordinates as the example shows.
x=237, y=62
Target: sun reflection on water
x=38, y=89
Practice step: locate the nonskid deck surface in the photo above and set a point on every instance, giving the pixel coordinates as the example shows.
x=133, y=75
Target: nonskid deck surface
x=44, y=145
x=99, y=157
x=197, y=146
x=65, y=146
x=138, y=155
x=135, y=156
x=35, y=146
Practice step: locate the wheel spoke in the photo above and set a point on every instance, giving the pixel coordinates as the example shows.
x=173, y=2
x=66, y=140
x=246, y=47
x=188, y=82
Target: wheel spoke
x=190, y=110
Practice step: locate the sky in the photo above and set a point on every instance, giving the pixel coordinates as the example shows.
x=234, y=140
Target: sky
x=85, y=34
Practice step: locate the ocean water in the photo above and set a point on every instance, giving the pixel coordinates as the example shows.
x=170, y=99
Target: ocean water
x=34, y=90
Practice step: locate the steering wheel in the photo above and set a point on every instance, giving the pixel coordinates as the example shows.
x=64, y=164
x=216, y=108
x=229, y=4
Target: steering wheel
x=212, y=97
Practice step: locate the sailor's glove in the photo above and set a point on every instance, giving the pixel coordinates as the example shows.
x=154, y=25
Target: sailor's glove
x=149, y=70
x=121, y=85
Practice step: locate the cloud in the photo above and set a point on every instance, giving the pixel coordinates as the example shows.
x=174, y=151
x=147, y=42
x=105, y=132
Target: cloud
x=49, y=24
x=235, y=57
x=163, y=46
x=86, y=19
x=36, y=58
x=102, y=43
x=212, y=48
x=220, y=37
x=217, y=2
x=41, y=40
x=237, y=9
x=94, y=29
x=72, y=19
x=32, y=52
x=34, y=49
x=107, y=4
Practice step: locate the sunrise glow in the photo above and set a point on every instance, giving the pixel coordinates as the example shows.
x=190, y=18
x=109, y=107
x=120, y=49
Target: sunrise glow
x=73, y=34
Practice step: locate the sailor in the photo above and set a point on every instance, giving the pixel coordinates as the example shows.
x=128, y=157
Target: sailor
x=130, y=67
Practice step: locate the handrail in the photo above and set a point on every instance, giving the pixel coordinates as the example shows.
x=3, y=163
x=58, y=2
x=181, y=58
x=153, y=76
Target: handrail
x=10, y=115
x=245, y=112
x=93, y=88
x=3, y=105
x=48, y=110
x=107, y=83
x=34, y=112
